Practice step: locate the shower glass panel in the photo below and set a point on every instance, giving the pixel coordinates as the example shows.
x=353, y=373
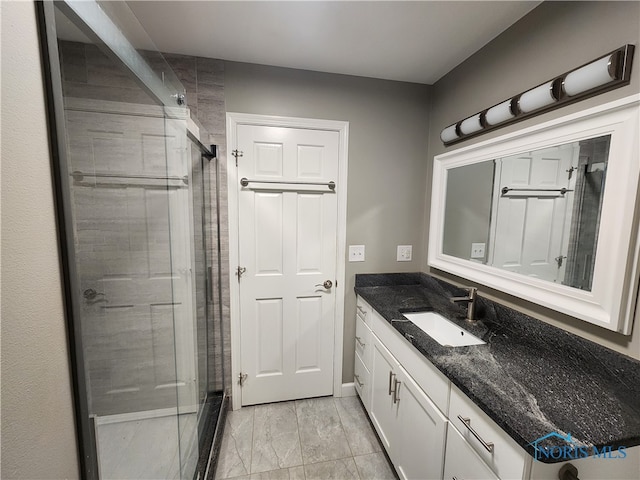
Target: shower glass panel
x=139, y=212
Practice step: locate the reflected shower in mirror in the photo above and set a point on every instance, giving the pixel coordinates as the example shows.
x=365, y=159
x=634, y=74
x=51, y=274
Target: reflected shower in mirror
x=536, y=213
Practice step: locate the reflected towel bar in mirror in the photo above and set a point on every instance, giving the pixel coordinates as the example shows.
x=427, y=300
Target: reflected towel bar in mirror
x=562, y=191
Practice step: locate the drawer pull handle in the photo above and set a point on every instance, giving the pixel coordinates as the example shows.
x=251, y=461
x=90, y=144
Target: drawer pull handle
x=357, y=377
x=362, y=310
x=467, y=423
x=359, y=340
x=391, y=379
x=396, y=391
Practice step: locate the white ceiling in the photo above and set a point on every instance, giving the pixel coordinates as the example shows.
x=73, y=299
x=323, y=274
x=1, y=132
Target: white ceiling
x=417, y=41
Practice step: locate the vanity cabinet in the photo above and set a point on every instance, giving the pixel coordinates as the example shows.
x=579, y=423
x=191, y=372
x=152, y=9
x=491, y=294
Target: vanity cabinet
x=410, y=424
x=425, y=423
x=411, y=427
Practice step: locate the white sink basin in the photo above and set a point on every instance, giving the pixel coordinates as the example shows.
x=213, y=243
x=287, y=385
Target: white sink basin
x=443, y=331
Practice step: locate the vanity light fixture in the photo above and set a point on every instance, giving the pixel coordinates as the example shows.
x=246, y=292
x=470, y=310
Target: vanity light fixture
x=471, y=125
x=606, y=73
x=537, y=98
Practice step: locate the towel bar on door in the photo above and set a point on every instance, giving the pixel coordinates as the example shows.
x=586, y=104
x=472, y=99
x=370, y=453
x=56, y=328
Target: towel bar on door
x=245, y=182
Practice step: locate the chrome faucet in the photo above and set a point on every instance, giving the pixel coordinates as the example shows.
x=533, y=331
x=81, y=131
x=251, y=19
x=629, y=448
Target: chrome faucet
x=471, y=303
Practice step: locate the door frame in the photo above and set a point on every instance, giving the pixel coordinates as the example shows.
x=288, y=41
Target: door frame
x=342, y=128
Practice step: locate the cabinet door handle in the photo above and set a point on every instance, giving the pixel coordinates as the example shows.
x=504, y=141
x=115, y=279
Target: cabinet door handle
x=357, y=377
x=359, y=340
x=361, y=310
x=467, y=423
x=392, y=377
x=396, y=391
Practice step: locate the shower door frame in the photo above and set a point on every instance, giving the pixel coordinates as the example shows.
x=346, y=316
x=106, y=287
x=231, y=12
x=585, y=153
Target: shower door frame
x=45, y=11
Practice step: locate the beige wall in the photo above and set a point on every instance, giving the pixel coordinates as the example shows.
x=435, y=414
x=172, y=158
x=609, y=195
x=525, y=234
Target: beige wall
x=388, y=124
x=552, y=39
x=38, y=436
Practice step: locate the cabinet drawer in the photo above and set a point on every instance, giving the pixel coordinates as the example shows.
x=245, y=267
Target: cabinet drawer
x=362, y=382
x=506, y=458
x=363, y=342
x=462, y=462
x=363, y=309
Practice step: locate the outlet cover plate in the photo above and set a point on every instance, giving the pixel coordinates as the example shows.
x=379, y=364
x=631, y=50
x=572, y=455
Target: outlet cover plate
x=356, y=253
x=404, y=253
x=477, y=250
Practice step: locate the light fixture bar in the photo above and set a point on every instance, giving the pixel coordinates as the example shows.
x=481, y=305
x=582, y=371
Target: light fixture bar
x=608, y=72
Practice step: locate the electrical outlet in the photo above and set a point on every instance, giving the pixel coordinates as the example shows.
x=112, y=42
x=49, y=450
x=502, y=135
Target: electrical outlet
x=477, y=250
x=356, y=253
x=404, y=253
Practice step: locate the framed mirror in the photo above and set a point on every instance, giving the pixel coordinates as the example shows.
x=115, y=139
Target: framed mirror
x=549, y=214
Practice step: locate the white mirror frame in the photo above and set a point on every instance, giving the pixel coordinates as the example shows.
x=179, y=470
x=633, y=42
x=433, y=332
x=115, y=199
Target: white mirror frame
x=612, y=300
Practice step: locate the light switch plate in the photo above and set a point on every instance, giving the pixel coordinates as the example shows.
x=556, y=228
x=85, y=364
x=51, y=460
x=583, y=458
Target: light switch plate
x=477, y=250
x=356, y=253
x=404, y=253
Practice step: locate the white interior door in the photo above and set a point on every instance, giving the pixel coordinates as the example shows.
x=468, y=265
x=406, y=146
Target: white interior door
x=530, y=223
x=287, y=248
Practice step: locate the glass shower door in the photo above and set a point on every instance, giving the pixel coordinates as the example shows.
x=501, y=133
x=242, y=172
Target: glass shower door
x=124, y=177
x=133, y=269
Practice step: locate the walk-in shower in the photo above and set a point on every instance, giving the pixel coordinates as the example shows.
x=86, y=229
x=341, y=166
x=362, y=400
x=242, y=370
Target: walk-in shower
x=138, y=207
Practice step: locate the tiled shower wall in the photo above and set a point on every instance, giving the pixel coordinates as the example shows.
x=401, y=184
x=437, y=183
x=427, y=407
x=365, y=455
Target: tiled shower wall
x=203, y=79
x=88, y=73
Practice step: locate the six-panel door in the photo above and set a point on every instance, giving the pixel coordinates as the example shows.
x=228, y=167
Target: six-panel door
x=288, y=243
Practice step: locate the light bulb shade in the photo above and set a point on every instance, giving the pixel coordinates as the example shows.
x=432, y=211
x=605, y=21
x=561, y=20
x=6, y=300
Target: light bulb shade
x=537, y=98
x=471, y=125
x=449, y=134
x=500, y=113
x=590, y=76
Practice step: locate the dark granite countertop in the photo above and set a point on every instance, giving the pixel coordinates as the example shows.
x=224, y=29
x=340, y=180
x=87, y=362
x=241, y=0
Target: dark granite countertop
x=531, y=378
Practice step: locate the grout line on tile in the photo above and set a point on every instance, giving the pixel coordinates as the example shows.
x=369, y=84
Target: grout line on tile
x=343, y=430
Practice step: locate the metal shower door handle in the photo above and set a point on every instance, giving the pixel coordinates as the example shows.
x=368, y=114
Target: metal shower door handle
x=327, y=284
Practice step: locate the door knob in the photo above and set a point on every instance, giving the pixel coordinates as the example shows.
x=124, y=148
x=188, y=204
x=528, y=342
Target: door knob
x=327, y=284
x=91, y=294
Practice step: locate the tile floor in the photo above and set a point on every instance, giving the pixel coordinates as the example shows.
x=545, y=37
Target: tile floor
x=317, y=438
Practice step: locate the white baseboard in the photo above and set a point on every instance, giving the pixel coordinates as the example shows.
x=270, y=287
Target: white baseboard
x=348, y=390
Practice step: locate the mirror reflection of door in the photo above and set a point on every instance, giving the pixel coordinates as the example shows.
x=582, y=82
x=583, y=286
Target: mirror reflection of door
x=537, y=213
x=533, y=211
x=131, y=232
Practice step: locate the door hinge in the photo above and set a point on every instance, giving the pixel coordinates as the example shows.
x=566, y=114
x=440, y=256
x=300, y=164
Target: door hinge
x=240, y=271
x=570, y=172
x=237, y=153
x=242, y=377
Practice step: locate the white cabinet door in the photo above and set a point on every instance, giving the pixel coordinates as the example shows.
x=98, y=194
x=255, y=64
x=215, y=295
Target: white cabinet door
x=462, y=462
x=383, y=411
x=411, y=427
x=420, y=432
